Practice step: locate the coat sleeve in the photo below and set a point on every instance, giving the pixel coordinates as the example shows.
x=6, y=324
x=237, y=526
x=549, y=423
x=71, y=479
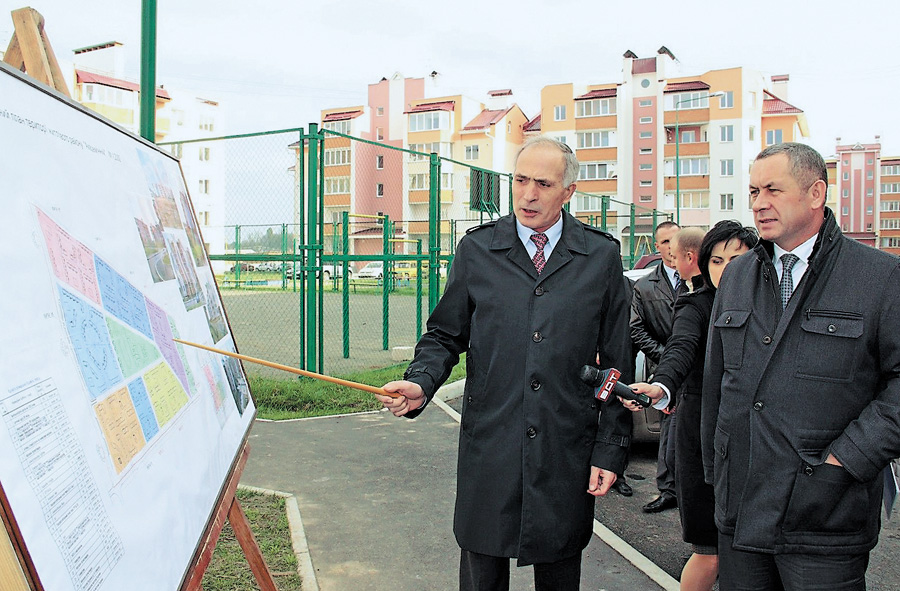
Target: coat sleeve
x=447, y=333
x=712, y=391
x=652, y=348
x=680, y=353
x=614, y=349
x=869, y=443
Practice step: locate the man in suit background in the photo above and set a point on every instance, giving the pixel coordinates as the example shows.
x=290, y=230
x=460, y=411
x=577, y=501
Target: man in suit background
x=531, y=298
x=652, y=313
x=801, y=389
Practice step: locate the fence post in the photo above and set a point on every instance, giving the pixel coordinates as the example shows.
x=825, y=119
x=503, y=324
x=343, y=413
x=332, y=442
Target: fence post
x=312, y=234
x=387, y=279
x=631, y=244
x=434, y=230
x=345, y=282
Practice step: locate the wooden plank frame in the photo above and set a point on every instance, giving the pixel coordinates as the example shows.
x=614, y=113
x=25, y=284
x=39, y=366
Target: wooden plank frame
x=30, y=51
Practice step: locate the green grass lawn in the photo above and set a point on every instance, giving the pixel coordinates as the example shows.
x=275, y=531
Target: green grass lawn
x=307, y=397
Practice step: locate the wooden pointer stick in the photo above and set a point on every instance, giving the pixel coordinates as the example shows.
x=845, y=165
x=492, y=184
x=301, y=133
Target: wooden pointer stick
x=302, y=372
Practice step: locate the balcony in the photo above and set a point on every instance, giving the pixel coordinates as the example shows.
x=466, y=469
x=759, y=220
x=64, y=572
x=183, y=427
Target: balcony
x=687, y=149
x=686, y=116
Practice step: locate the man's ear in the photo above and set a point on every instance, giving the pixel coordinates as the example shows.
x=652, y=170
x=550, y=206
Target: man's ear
x=818, y=191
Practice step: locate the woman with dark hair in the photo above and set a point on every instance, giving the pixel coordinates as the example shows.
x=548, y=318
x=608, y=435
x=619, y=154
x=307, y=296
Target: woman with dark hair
x=679, y=376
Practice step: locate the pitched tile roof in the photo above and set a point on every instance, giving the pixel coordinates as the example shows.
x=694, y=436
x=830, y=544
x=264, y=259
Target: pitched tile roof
x=533, y=125
x=503, y=92
x=486, y=118
x=772, y=105
x=602, y=93
x=643, y=65
x=82, y=77
x=342, y=116
x=438, y=106
x=683, y=86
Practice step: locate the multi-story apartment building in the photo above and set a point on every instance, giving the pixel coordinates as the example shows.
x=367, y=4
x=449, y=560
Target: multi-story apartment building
x=372, y=179
x=853, y=189
x=100, y=85
x=888, y=184
x=679, y=144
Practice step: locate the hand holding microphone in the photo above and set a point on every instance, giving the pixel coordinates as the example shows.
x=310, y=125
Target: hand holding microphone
x=607, y=384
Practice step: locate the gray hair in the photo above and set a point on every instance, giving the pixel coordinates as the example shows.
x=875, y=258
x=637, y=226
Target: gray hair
x=807, y=165
x=570, y=173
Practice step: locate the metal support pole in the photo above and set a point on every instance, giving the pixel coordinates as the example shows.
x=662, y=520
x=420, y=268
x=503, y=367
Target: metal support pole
x=312, y=233
x=434, y=231
x=345, y=282
x=148, y=70
x=387, y=281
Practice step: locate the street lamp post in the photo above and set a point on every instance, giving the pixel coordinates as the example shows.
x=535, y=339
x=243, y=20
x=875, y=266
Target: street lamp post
x=677, y=160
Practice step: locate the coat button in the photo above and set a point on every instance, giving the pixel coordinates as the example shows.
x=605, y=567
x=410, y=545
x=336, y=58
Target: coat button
x=469, y=399
x=832, y=328
x=728, y=320
x=808, y=470
x=767, y=340
x=758, y=405
x=535, y=385
x=537, y=337
x=531, y=432
x=539, y=291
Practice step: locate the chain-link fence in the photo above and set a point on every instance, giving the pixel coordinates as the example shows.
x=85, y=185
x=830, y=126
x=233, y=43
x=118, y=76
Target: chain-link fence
x=331, y=250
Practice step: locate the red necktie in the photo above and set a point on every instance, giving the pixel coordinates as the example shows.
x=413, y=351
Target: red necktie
x=540, y=239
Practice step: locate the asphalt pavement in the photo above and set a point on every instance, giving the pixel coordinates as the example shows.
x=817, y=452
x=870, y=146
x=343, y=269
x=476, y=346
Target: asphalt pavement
x=375, y=496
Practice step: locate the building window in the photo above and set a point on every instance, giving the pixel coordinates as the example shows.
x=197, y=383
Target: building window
x=509, y=127
x=204, y=154
x=690, y=100
x=688, y=167
x=752, y=133
x=646, y=198
x=890, y=169
x=869, y=161
x=440, y=148
x=379, y=190
x=646, y=150
x=869, y=210
x=176, y=150
x=418, y=181
x=446, y=180
x=890, y=242
x=592, y=171
x=646, y=183
x=692, y=200
x=595, y=107
x=870, y=192
x=870, y=174
x=561, y=139
x=204, y=186
x=688, y=136
x=379, y=162
x=429, y=120
x=890, y=206
x=336, y=156
x=726, y=201
x=472, y=152
x=773, y=136
x=890, y=187
x=726, y=133
x=342, y=126
x=379, y=133
x=845, y=193
x=646, y=135
x=204, y=218
x=588, y=202
x=751, y=100
x=559, y=113
x=596, y=139
x=337, y=185
x=845, y=210
x=889, y=224
x=846, y=176
x=379, y=111
x=646, y=102
x=726, y=167
x=726, y=101
x=868, y=227
x=646, y=166
x=646, y=120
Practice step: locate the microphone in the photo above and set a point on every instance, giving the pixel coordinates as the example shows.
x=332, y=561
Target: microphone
x=607, y=384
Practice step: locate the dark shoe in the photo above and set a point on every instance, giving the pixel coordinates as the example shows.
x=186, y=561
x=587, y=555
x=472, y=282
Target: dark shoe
x=661, y=503
x=622, y=487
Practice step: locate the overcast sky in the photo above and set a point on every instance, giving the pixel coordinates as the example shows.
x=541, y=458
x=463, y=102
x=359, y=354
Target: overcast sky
x=274, y=65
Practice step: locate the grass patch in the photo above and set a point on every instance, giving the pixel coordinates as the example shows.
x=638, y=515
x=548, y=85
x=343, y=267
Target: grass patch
x=307, y=397
x=229, y=570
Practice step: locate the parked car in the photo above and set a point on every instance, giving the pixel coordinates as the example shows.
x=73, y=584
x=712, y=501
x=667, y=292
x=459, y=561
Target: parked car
x=648, y=261
x=243, y=267
x=373, y=270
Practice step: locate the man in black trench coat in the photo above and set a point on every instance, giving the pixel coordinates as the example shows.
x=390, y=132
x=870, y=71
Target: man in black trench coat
x=533, y=453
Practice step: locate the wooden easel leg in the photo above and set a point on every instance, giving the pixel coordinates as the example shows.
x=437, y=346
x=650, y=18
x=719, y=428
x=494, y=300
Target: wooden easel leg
x=245, y=538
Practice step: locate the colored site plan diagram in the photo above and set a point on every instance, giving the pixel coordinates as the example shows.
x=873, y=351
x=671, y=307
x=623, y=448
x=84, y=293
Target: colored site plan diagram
x=135, y=375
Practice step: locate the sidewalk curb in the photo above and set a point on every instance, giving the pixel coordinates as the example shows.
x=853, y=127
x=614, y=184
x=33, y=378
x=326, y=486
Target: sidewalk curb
x=298, y=536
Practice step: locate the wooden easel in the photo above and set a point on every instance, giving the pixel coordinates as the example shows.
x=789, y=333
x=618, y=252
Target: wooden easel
x=29, y=50
x=229, y=507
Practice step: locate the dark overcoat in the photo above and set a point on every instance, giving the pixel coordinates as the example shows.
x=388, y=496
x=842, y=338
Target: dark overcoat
x=782, y=391
x=530, y=430
x=652, y=311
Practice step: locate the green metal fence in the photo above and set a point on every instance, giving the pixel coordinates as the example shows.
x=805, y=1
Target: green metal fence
x=334, y=249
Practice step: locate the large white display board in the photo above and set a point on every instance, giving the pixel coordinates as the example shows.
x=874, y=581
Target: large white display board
x=115, y=441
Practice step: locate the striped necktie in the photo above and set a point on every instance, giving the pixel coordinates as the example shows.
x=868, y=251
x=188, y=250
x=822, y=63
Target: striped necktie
x=540, y=240
x=787, y=280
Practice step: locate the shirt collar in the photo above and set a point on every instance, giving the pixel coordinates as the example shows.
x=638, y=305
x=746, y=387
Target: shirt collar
x=553, y=233
x=803, y=252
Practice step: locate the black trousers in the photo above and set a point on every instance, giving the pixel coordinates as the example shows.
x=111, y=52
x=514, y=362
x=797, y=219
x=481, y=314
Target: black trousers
x=479, y=572
x=755, y=571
